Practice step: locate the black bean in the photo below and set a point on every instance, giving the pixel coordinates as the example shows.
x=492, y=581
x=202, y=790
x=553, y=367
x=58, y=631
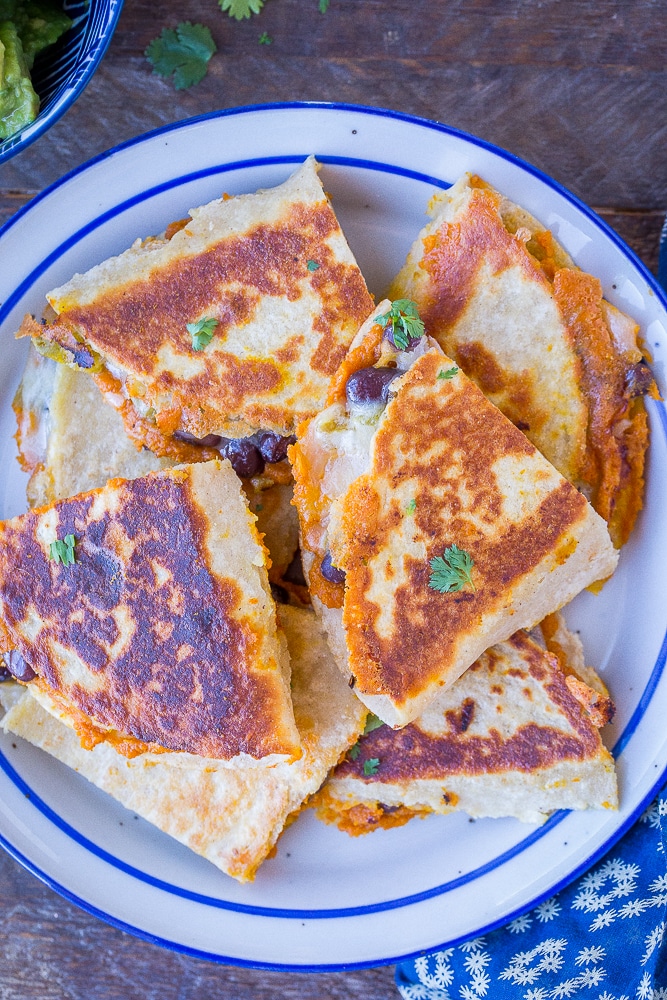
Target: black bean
x=273, y=447
x=17, y=666
x=245, y=456
x=210, y=441
x=331, y=572
x=370, y=385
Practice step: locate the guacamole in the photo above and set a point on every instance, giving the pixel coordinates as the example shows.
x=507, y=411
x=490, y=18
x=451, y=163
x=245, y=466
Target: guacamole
x=26, y=27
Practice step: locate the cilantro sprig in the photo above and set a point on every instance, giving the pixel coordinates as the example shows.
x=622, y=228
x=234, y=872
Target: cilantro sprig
x=403, y=322
x=448, y=373
x=182, y=52
x=451, y=571
x=61, y=550
x=372, y=722
x=202, y=332
x=371, y=766
x=241, y=8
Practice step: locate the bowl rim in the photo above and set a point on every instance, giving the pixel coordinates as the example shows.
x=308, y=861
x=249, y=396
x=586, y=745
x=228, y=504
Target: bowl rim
x=70, y=92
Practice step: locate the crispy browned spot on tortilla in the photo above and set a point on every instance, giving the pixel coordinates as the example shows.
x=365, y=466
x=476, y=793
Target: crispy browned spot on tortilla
x=136, y=323
x=445, y=444
x=504, y=302
x=140, y=634
x=412, y=753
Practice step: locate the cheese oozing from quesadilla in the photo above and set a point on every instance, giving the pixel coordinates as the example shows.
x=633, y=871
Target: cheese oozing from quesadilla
x=514, y=736
x=232, y=817
x=70, y=441
x=142, y=613
x=431, y=527
x=232, y=326
x=535, y=333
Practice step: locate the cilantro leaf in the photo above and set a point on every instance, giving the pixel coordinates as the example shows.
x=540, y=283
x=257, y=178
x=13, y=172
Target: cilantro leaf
x=404, y=322
x=202, y=332
x=354, y=751
x=450, y=373
x=183, y=52
x=265, y=38
x=312, y=265
x=411, y=506
x=241, y=8
x=372, y=722
x=451, y=571
x=371, y=766
x=324, y=6
x=62, y=550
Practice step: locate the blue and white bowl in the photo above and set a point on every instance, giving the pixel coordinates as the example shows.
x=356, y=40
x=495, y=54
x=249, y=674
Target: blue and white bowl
x=62, y=71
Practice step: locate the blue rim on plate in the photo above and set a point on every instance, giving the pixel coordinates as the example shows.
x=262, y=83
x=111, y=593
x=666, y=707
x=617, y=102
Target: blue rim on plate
x=385, y=904
x=62, y=72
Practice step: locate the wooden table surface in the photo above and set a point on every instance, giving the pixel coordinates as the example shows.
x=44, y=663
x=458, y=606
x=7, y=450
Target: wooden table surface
x=579, y=89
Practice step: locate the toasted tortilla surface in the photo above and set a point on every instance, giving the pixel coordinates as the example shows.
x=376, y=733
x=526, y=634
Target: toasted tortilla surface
x=509, y=738
x=445, y=468
x=535, y=333
x=162, y=634
x=231, y=817
x=272, y=269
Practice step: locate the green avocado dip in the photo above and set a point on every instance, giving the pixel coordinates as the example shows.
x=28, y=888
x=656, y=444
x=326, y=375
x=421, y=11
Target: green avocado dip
x=26, y=27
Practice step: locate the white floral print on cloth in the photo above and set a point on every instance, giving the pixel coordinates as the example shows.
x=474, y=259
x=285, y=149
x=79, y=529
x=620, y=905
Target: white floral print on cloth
x=599, y=938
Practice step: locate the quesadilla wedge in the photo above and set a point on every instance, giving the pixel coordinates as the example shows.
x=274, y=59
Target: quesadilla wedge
x=70, y=441
x=142, y=614
x=230, y=328
x=231, y=817
x=515, y=736
x=431, y=527
x=535, y=333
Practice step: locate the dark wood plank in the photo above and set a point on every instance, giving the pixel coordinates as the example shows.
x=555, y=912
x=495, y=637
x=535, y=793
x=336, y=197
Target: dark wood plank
x=600, y=132
x=51, y=950
x=575, y=34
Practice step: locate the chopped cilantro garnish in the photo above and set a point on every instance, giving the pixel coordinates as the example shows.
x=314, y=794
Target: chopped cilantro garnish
x=450, y=373
x=405, y=323
x=371, y=766
x=241, y=8
x=265, y=38
x=451, y=571
x=372, y=722
x=411, y=507
x=62, y=550
x=183, y=52
x=354, y=751
x=324, y=6
x=312, y=265
x=202, y=332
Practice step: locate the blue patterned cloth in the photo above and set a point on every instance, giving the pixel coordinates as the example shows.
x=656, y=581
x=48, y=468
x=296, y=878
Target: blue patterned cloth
x=599, y=938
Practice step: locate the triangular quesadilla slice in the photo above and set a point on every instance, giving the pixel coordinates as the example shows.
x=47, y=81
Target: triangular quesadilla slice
x=431, y=527
x=230, y=328
x=232, y=817
x=535, y=333
x=516, y=735
x=142, y=611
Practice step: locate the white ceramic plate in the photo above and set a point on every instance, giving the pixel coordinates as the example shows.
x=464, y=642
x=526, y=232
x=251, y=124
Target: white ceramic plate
x=326, y=900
